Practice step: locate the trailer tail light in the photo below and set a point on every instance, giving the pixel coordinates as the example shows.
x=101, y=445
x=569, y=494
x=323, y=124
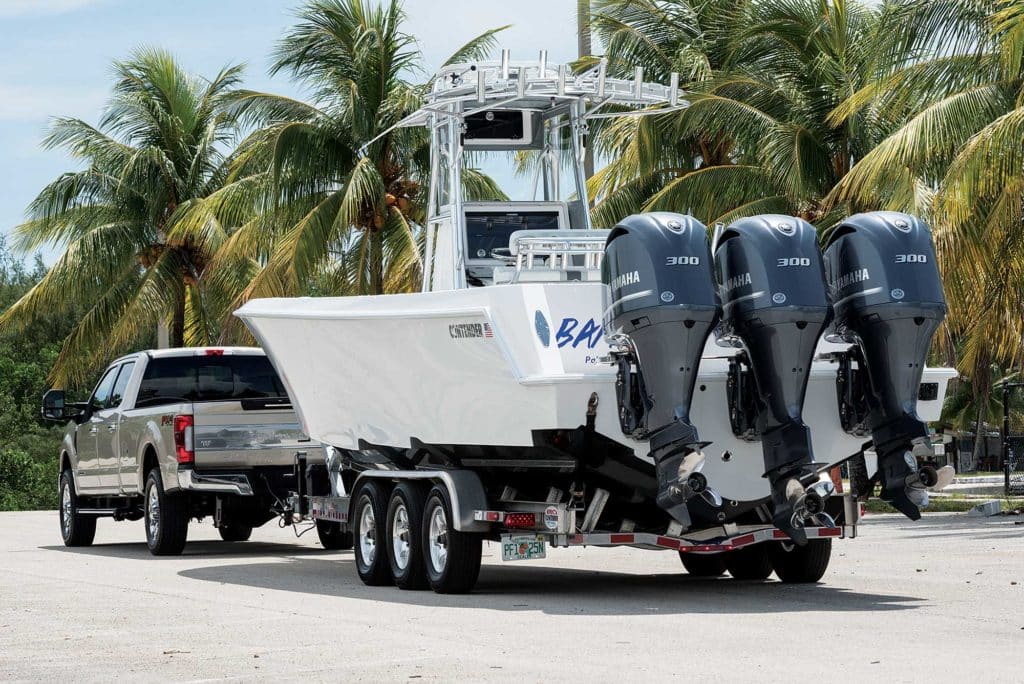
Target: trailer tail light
x=521, y=520
x=184, y=439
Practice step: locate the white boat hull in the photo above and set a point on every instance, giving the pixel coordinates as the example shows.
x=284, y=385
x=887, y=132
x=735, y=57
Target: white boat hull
x=470, y=367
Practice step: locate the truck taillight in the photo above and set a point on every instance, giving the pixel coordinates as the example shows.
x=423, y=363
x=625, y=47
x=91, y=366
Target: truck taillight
x=184, y=439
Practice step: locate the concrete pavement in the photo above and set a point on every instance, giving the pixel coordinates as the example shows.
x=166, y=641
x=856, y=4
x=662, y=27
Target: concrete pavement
x=939, y=600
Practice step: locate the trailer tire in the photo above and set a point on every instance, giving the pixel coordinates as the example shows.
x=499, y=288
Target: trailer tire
x=405, y=517
x=235, y=533
x=166, y=516
x=801, y=564
x=703, y=566
x=750, y=563
x=75, y=529
x=452, y=558
x=332, y=536
x=369, y=514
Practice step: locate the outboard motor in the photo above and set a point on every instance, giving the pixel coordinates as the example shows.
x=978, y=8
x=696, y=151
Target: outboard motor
x=660, y=307
x=775, y=307
x=888, y=300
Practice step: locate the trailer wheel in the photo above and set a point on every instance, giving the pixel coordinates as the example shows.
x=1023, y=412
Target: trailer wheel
x=702, y=566
x=369, y=515
x=166, y=517
x=76, y=529
x=405, y=541
x=235, y=533
x=750, y=563
x=452, y=558
x=801, y=564
x=332, y=536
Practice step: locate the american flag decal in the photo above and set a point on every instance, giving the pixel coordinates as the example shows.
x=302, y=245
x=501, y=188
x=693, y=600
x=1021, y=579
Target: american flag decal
x=487, y=330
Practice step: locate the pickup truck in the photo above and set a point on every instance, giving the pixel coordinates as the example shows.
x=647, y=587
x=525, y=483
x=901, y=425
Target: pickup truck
x=175, y=434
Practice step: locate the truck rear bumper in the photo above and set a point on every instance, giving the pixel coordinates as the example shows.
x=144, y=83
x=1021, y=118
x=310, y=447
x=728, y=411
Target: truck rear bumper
x=221, y=483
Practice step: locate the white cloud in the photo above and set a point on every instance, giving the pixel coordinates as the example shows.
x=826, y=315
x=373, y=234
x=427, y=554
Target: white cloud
x=16, y=8
x=38, y=103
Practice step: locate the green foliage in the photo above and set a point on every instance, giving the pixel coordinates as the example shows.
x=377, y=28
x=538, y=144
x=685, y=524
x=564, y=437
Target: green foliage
x=140, y=223
x=28, y=447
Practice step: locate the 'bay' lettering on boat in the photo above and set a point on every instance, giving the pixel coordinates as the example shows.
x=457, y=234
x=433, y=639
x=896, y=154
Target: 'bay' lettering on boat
x=570, y=331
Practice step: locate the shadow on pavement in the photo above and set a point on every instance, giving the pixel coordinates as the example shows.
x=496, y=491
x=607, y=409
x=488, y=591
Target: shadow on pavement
x=197, y=549
x=561, y=591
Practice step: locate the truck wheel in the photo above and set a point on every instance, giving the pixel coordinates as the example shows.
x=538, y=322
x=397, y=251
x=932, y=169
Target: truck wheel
x=369, y=516
x=332, y=537
x=166, y=517
x=235, y=533
x=405, y=542
x=750, y=563
x=801, y=564
x=702, y=566
x=452, y=558
x=76, y=529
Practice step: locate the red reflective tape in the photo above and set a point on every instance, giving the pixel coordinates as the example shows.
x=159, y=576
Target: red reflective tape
x=668, y=542
x=622, y=538
x=829, y=531
x=779, y=534
x=742, y=541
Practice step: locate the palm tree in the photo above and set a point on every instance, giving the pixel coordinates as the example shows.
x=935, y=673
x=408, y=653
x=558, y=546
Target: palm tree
x=344, y=194
x=957, y=158
x=761, y=79
x=137, y=223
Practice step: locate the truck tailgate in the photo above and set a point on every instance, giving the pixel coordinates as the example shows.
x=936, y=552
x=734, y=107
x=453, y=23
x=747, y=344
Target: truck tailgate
x=247, y=434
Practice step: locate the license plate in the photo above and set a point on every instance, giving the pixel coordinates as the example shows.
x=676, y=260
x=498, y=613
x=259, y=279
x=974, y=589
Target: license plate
x=522, y=548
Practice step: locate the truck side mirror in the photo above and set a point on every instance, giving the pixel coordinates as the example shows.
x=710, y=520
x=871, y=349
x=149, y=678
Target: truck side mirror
x=53, y=405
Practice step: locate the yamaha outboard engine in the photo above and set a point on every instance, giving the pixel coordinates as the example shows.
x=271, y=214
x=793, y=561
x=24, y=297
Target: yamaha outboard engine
x=774, y=303
x=888, y=300
x=660, y=307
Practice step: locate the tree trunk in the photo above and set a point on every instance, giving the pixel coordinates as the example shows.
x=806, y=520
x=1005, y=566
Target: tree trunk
x=376, y=262
x=178, y=321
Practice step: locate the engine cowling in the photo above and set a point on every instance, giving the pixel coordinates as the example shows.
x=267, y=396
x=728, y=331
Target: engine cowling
x=774, y=306
x=660, y=308
x=887, y=294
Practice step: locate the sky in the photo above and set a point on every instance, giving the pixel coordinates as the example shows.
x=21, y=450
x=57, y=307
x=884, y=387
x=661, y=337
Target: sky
x=55, y=58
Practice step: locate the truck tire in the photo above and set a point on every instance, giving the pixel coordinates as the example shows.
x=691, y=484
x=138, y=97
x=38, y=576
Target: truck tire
x=405, y=541
x=750, y=563
x=166, y=517
x=369, y=517
x=702, y=566
x=76, y=529
x=801, y=564
x=332, y=537
x=235, y=533
x=452, y=558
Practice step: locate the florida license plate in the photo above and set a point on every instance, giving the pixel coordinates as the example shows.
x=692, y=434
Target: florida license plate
x=522, y=548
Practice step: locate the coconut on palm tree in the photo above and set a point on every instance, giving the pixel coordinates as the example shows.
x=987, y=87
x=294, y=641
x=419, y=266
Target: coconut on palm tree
x=151, y=165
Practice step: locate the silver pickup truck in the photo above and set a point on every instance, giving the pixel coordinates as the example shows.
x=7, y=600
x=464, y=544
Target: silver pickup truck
x=174, y=434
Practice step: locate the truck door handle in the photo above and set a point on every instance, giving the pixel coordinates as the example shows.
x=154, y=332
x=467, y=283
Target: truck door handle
x=111, y=427
x=93, y=430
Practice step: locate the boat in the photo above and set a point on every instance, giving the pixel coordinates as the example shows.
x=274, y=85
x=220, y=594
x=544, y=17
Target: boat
x=688, y=378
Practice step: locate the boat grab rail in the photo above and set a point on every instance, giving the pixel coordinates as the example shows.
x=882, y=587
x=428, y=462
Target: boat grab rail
x=553, y=252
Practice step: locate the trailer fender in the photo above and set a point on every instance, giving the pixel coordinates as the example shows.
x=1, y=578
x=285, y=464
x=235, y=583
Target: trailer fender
x=465, y=491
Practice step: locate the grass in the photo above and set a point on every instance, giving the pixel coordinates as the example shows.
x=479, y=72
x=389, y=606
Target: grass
x=952, y=503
